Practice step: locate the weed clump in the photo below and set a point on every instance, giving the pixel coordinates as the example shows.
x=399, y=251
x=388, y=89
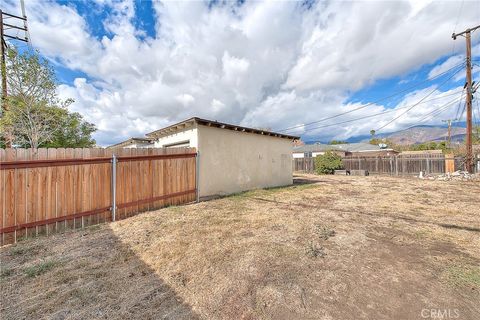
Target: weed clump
x=40, y=268
x=315, y=251
x=324, y=232
x=6, y=272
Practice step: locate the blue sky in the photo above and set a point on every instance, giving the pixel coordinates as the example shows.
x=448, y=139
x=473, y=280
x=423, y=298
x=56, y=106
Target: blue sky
x=135, y=66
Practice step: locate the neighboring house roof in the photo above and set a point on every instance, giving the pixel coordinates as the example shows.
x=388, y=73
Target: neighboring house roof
x=422, y=152
x=130, y=141
x=316, y=147
x=362, y=147
x=347, y=147
x=210, y=123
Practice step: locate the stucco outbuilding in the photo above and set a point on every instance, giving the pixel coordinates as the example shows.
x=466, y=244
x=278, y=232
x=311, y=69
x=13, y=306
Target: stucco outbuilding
x=232, y=158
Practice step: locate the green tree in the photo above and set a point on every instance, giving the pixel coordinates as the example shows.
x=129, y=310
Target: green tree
x=431, y=145
x=333, y=142
x=327, y=163
x=36, y=116
x=73, y=131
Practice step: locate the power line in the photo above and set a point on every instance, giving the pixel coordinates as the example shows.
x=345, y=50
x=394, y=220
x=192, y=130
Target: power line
x=387, y=111
x=377, y=114
x=374, y=102
x=416, y=104
x=463, y=111
x=458, y=16
x=457, y=114
x=456, y=24
x=477, y=118
x=434, y=113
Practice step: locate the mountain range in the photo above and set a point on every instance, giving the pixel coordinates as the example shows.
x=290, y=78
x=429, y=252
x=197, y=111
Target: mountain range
x=413, y=135
x=420, y=134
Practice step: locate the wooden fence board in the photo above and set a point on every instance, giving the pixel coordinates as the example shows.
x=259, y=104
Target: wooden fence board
x=2, y=195
x=70, y=196
x=391, y=165
x=57, y=193
x=60, y=194
x=20, y=196
x=9, y=200
x=78, y=189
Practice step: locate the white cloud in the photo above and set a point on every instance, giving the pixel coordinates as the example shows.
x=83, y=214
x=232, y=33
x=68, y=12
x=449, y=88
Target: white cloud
x=185, y=99
x=447, y=65
x=265, y=64
x=234, y=69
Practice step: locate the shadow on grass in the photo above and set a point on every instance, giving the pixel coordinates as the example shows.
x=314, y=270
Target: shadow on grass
x=93, y=275
x=409, y=219
x=301, y=180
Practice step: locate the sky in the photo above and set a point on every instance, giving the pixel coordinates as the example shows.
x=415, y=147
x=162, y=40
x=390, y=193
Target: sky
x=135, y=66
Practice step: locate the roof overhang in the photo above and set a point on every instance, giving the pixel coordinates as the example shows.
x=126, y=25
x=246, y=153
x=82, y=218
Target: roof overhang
x=221, y=125
x=131, y=141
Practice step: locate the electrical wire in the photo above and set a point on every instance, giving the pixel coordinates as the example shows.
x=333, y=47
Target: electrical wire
x=374, y=102
x=458, y=115
x=456, y=25
x=457, y=119
x=378, y=114
x=435, y=113
x=413, y=106
x=458, y=16
x=476, y=118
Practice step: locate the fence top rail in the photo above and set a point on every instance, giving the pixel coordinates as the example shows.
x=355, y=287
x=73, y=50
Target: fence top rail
x=406, y=157
x=5, y=165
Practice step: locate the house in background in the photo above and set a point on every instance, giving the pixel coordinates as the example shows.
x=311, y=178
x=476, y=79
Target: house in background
x=421, y=152
x=134, y=143
x=347, y=149
x=232, y=158
x=313, y=150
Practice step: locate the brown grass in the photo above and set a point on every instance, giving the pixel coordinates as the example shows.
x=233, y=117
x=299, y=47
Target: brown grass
x=338, y=248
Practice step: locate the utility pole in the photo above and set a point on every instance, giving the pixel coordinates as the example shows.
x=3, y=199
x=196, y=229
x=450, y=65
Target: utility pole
x=449, y=123
x=5, y=26
x=467, y=35
x=3, y=65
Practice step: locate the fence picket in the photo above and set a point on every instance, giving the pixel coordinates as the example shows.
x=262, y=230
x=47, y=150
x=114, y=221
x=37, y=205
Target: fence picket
x=392, y=165
x=50, y=196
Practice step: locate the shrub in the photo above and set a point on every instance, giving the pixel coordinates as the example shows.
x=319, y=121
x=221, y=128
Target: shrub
x=327, y=163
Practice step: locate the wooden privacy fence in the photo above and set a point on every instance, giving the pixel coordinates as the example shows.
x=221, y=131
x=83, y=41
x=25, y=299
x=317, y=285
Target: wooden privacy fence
x=392, y=165
x=306, y=165
x=398, y=164
x=50, y=190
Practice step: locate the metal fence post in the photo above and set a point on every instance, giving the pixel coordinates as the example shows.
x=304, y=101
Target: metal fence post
x=114, y=186
x=197, y=174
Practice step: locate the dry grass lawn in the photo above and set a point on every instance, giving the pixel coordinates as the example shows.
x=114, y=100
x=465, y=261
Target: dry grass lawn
x=337, y=248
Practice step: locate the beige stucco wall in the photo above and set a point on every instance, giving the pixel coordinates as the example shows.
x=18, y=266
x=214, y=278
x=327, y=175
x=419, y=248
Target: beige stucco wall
x=233, y=161
x=139, y=145
x=189, y=133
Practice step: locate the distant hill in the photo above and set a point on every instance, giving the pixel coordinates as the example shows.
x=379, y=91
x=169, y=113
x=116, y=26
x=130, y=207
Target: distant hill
x=420, y=134
x=414, y=135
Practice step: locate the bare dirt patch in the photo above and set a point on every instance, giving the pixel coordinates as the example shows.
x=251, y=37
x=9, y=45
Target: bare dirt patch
x=331, y=248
